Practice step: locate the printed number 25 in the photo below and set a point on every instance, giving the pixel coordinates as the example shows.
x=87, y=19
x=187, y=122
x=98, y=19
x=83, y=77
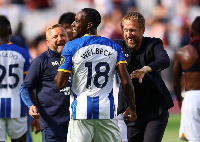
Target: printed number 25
x=98, y=74
x=2, y=76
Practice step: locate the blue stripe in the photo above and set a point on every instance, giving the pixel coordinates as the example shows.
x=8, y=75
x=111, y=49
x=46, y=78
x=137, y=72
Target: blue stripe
x=24, y=109
x=2, y=108
x=89, y=107
x=96, y=107
x=73, y=106
x=8, y=108
x=112, y=106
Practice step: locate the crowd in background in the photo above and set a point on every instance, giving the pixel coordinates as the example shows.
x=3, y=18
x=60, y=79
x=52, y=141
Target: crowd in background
x=169, y=20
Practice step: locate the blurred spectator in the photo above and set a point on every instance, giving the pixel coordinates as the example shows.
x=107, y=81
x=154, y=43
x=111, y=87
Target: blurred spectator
x=66, y=20
x=18, y=1
x=111, y=27
x=38, y=4
x=158, y=25
x=19, y=41
x=38, y=46
x=105, y=7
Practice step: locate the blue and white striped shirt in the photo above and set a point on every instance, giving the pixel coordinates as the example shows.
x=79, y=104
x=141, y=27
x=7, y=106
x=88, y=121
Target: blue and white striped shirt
x=92, y=61
x=14, y=63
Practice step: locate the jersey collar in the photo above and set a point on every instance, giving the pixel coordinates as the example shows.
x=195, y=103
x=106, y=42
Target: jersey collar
x=91, y=35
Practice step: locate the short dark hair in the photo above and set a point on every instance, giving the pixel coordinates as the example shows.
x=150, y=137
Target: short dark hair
x=68, y=17
x=92, y=15
x=5, y=27
x=196, y=25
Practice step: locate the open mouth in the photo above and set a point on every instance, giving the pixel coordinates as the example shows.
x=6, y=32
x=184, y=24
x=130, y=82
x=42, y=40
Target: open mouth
x=61, y=44
x=73, y=30
x=130, y=40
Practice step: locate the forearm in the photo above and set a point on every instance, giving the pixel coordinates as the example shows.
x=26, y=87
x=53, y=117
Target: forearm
x=128, y=90
x=160, y=58
x=178, y=90
x=127, y=86
x=146, y=69
x=61, y=79
x=26, y=96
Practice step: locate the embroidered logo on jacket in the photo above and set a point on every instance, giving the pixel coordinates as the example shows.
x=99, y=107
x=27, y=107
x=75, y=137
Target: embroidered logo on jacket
x=55, y=63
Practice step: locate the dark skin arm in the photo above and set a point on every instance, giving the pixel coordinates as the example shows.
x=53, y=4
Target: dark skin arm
x=35, y=124
x=61, y=79
x=128, y=90
x=177, y=74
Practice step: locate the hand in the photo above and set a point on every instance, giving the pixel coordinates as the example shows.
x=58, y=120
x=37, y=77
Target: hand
x=138, y=74
x=180, y=104
x=33, y=112
x=130, y=114
x=35, y=123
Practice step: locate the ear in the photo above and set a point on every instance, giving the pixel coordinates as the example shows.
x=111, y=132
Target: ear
x=143, y=30
x=89, y=25
x=47, y=42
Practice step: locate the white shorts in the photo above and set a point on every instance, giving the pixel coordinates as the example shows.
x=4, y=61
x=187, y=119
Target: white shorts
x=102, y=130
x=190, y=117
x=123, y=127
x=15, y=127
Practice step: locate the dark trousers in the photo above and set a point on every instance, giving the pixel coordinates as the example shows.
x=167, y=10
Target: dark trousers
x=54, y=134
x=151, y=131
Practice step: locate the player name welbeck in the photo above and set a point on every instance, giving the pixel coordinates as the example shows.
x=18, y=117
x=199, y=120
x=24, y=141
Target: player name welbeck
x=94, y=51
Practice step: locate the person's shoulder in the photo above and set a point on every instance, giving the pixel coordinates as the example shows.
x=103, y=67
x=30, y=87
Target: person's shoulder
x=42, y=57
x=187, y=49
x=17, y=48
x=75, y=42
x=151, y=39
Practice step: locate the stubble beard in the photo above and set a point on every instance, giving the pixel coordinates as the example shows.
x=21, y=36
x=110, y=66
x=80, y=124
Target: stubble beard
x=134, y=44
x=131, y=45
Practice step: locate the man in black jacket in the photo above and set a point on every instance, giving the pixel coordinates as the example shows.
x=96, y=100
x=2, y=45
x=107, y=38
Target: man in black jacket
x=146, y=58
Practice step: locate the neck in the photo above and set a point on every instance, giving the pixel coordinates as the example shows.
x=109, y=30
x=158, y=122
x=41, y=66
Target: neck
x=195, y=40
x=4, y=41
x=138, y=46
x=92, y=32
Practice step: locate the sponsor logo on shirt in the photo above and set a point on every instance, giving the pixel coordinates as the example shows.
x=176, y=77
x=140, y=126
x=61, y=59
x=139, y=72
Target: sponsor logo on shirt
x=62, y=60
x=55, y=63
x=66, y=90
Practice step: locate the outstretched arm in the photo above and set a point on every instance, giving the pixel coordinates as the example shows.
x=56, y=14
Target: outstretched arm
x=140, y=73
